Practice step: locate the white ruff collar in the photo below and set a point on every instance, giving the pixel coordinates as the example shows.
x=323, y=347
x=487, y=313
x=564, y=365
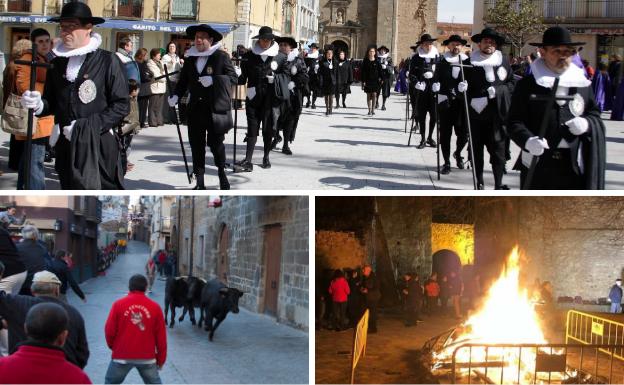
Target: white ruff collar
x=431, y=55
x=454, y=59
x=194, y=52
x=313, y=55
x=293, y=55
x=94, y=43
x=478, y=59
x=545, y=77
x=384, y=56
x=273, y=50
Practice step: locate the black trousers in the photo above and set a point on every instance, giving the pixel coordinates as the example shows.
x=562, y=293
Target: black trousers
x=452, y=117
x=200, y=133
x=263, y=113
x=554, y=172
x=289, y=117
x=483, y=136
x=426, y=104
x=372, y=316
x=143, y=102
x=410, y=317
x=339, y=310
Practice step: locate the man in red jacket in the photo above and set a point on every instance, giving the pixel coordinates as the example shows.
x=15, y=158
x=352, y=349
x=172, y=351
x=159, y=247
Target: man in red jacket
x=136, y=333
x=41, y=359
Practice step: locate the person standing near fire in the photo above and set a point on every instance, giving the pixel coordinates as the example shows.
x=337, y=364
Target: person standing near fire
x=615, y=296
x=455, y=288
x=372, y=295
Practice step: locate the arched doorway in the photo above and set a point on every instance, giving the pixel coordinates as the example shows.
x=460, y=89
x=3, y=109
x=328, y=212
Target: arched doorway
x=223, y=265
x=341, y=45
x=444, y=261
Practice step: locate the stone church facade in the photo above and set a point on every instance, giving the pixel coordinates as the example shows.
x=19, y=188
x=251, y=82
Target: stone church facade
x=352, y=25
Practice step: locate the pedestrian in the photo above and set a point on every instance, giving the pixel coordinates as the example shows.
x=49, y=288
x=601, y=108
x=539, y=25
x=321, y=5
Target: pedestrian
x=136, y=333
x=328, y=76
x=339, y=291
x=372, y=294
x=589, y=70
x=312, y=61
x=129, y=127
x=150, y=272
x=289, y=116
x=85, y=108
x=490, y=85
x=144, y=90
x=601, y=85
x=13, y=277
x=59, y=267
x=40, y=360
x=401, y=84
x=209, y=76
x=455, y=289
x=124, y=53
x=158, y=87
x=413, y=296
x=371, y=77
x=162, y=260
x=345, y=79
x=572, y=154
x=451, y=102
x=32, y=254
x=354, y=301
x=45, y=288
x=615, y=297
x=422, y=76
x=172, y=263
x=444, y=294
x=432, y=291
x=43, y=128
x=173, y=63
x=7, y=217
x=387, y=76
x=259, y=69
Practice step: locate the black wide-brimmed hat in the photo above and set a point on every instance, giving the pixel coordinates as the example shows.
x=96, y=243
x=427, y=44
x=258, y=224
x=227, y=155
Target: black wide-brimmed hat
x=77, y=10
x=213, y=33
x=313, y=45
x=425, y=38
x=286, y=39
x=492, y=34
x=454, y=38
x=383, y=47
x=554, y=36
x=265, y=33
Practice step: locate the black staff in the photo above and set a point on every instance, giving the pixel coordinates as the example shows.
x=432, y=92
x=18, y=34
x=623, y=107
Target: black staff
x=167, y=74
x=407, y=109
x=33, y=63
x=236, y=168
x=436, y=99
x=550, y=100
x=474, y=173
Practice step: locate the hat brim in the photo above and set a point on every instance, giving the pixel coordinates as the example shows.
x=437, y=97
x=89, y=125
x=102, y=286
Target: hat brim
x=425, y=41
x=461, y=41
x=268, y=36
x=292, y=42
x=500, y=40
x=572, y=44
x=88, y=20
x=192, y=30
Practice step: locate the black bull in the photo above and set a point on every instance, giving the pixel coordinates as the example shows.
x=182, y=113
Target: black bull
x=216, y=301
x=184, y=292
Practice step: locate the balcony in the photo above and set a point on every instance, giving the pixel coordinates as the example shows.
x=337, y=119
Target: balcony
x=565, y=11
x=165, y=225
x=184, y=9
x=132, y=9
x=54, y=8
x=19, y=6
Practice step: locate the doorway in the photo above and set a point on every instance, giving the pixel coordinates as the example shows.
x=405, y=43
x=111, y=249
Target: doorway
x=340, y=45
x=273, y=259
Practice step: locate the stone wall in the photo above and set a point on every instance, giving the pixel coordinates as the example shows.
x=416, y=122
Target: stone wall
x=414, y=17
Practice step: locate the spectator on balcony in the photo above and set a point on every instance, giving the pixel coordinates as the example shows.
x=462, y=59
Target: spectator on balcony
x=173, y=63
x=124, y=53
x=144, y=91
x=158, y=87
x=7, y=218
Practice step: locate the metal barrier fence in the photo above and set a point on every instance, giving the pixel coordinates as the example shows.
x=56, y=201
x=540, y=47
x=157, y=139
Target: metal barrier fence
x=359, y=343
x=590, y=329
x=507, y=363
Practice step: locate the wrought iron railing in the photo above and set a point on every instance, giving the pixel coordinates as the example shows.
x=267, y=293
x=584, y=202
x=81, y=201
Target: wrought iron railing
x=130, y=9
x=566, y=10
x=184, y=9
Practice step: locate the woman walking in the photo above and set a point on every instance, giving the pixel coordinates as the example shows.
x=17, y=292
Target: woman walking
x=157, y=88
x=150, y=272
x=329, y=78
x=345, y=78
x=173, y=63
x=144, y=92
x=371, y=77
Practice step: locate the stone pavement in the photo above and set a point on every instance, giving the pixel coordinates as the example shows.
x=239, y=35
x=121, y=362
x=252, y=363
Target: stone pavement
x=247, y=348
x=347, y=150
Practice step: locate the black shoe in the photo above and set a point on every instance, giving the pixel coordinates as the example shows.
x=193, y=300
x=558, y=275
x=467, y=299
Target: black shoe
x=47, y=158
x=459, y=160
x=275, y=142
x=314, y=107
x=308, y=104
x=431, y=142
x=266, y=163
x=373, y=112
x=286, y=150
x=446, y=169
x=245, y=165
x=503, y=187
x=224, y=184
x=376, y=105
x=480, y=186
x=337, y=106
x=199, y=187
x=421, y=145
x=344, y=105
x=383, y=108
x=326, y=112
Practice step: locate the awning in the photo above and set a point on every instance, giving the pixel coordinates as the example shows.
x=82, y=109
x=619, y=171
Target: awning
x=131, y=25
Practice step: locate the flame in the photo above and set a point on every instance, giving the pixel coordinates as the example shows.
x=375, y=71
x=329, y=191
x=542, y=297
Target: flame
x=507, y=316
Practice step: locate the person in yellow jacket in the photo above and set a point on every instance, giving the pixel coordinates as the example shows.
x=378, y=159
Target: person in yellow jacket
x=43, y=129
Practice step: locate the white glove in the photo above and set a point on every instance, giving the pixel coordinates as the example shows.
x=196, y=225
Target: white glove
x=407, y=74
x=536, y=146
x=428, y=75
x=238, y=70
x=462, y=86
x=316, y=68
x=491, y=92
x=435, y=87
x=383, y=66
x=56, y=132
x=32, y=99
x=251, y=93
x=421, y=86
x=479, y=104
x=67, y=130
x=172, y=100
x=293, y=70
x=442, y=99
x=270, y=78
x=578, y=126
x=291, y=86
x=206, y=81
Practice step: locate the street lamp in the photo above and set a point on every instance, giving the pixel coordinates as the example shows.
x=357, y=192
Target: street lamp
x=58, y=225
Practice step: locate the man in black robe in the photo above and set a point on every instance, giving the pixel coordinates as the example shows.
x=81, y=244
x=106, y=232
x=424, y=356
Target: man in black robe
x=490, y=84
x=312, y=60
x=262, y=70
x=422, y=71
x=289, y=115
x=208, y=74
x=451, y=102
x=87, y=92
x=345, y=79
x=572, y=153
x=387, y=75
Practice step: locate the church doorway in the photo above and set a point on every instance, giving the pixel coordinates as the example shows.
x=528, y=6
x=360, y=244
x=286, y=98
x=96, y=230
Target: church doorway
x=340, y=45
